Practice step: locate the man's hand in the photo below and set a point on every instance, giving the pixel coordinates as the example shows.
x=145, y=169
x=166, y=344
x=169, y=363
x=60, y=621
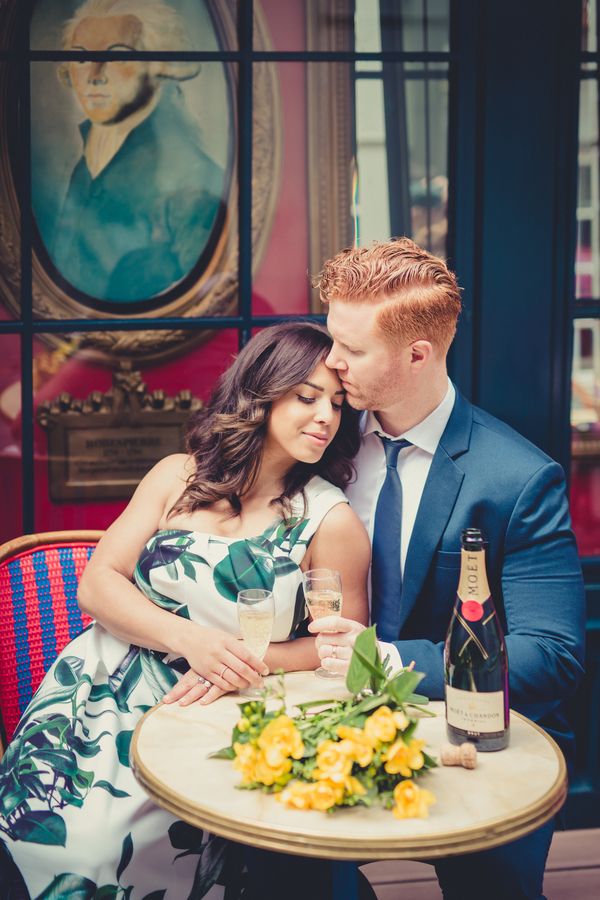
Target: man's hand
x=335, y=641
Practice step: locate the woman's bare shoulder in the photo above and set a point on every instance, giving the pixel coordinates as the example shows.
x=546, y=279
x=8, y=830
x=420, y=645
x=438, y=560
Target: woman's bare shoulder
x=342, y=527
x=176, y=465
x=169, y=477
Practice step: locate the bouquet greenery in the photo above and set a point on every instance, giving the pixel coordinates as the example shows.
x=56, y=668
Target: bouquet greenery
x=358, y=751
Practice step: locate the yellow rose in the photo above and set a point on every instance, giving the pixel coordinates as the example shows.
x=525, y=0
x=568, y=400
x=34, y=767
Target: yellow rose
x=400, y=720
x=334, y=760
x=416, y=759
x=412, y=802
x=279, y=740
x=396, y=759
x=326, y=793
x=404, y=759
x=268, y=774
x=353, y=786
x=381, y=726
x=245, y=761
x=298, y=795
x=361, y=746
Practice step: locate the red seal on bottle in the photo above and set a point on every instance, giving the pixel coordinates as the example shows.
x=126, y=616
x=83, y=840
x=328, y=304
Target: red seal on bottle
x=472, y=611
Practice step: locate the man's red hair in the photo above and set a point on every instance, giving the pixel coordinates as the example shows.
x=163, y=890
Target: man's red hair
x=421, y=295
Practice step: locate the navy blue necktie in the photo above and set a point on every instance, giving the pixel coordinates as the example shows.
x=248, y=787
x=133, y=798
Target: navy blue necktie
x=386, y=577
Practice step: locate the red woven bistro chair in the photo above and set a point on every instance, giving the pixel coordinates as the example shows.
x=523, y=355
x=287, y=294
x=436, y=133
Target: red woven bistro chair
x=39, y=615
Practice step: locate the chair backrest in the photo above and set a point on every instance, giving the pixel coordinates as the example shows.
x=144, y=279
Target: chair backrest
x=39, y=615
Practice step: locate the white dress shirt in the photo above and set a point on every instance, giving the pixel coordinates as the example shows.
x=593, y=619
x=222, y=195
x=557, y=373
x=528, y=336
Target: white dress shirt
x=413, y=468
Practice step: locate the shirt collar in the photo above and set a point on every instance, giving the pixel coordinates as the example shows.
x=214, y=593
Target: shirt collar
x=425, y=434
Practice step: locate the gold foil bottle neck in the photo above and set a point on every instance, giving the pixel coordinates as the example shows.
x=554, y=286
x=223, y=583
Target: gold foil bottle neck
x=473, y=582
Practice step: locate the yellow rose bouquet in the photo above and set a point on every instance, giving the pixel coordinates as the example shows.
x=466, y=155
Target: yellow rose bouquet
x=358, y=751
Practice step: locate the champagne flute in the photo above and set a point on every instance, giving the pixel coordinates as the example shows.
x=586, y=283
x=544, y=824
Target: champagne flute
x=256, y=614
x=323, y=593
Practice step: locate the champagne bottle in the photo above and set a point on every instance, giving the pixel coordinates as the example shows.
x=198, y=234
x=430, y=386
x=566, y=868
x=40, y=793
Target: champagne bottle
x=475, y=659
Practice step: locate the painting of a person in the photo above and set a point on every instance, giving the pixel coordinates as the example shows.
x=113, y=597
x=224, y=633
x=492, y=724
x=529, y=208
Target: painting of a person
x=257, y=500
x=144, y=197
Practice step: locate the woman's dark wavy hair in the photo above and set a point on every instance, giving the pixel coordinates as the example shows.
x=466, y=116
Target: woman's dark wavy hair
x=227, y=436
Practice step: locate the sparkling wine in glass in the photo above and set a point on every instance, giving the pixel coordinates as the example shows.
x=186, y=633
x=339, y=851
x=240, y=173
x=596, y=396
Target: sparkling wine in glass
x=323, y=593
x=256, y=614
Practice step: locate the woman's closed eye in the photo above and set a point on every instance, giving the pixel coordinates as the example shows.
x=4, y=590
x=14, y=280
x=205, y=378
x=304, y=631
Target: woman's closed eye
x=303, y=399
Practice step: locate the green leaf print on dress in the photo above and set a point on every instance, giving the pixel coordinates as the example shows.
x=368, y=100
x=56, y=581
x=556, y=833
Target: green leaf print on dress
x=247, y=565
x=211, y=855
x=41, y=764
x=254, y=563
x=73, y=886
x=68, y=884
x=289, y=533
x=168, y=550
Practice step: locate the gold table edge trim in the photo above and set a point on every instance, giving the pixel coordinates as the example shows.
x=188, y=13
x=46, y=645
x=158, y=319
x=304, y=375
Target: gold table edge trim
x=493, y=833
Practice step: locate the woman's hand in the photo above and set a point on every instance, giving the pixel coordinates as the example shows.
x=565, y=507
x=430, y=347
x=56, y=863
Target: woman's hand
x=192, y=687
x=220, y=659
x=335, y=641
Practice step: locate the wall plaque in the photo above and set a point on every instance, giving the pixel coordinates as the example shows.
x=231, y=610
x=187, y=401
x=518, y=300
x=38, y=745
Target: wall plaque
x=101, y=447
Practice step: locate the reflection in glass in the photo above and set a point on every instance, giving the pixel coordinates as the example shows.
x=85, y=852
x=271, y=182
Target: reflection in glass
x=11, y=524
x=413, y=25
x=10, y=231
x=589, y=26
x=401, y=129
x=371, y=152
x=130, y=159
x=585, y=445
x=64, y=368
x=396, y=120
x=162, y=29
x=587, y=262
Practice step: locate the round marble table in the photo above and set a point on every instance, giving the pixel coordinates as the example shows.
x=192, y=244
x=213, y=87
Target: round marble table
x=509, y=794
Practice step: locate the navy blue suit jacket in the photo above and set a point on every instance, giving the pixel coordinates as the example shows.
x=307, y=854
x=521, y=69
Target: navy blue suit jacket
x=486, y=475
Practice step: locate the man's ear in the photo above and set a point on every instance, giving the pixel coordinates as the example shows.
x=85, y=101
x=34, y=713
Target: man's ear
x=420, y=352
x=63, y=75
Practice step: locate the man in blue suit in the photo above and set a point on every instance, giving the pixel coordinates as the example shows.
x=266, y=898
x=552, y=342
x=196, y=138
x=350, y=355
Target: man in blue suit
x=392, y=313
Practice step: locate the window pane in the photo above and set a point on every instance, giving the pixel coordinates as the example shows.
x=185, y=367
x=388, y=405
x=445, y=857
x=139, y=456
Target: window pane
x=280, y=259
x=326, y=198
x=589, y=34
x=587, y=263
x=99, y=430
x=175, y=25
x=10, y=219
x=371, y=153
x=585, y=423
x=8, y=25
x=410, y=25
x=11, y=522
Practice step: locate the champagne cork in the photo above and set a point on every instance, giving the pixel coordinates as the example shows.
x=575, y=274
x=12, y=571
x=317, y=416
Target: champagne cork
x=464, y=755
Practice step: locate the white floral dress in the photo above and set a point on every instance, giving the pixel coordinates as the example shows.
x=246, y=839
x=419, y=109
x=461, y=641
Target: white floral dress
x=73, y=820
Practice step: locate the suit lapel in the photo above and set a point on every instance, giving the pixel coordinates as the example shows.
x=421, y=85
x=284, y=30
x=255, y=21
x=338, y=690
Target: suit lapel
x=437, y=502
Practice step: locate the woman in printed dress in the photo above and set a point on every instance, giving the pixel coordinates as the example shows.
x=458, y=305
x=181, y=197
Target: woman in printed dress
x=256, y=500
